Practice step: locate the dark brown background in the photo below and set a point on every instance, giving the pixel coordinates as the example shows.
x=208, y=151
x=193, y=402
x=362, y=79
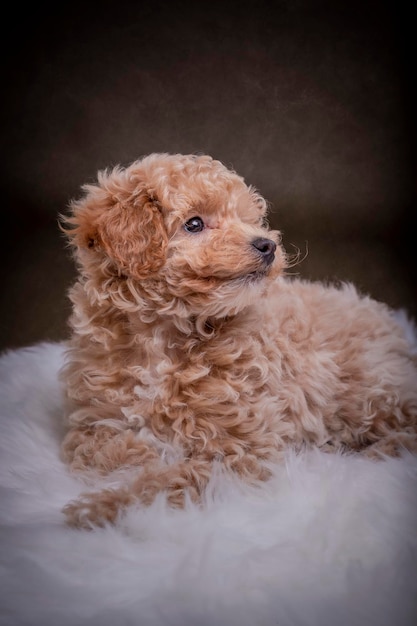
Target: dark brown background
x=311, y=101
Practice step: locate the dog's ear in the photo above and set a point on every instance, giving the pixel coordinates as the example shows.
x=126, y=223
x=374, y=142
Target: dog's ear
x=120, y=221
x=134, y=237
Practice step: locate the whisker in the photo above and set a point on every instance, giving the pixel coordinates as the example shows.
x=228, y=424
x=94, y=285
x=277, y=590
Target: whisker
x=297, y=257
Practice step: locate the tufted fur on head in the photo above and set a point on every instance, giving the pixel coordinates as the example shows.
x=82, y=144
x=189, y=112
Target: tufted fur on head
x=191, y=349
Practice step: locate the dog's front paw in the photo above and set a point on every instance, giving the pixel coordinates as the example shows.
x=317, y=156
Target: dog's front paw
x=97, y=508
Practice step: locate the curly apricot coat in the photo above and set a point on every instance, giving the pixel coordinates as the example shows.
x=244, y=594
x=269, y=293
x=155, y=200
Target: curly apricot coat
x=190, y=347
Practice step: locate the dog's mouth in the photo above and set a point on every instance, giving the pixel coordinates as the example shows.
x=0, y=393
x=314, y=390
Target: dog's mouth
x=255, y=276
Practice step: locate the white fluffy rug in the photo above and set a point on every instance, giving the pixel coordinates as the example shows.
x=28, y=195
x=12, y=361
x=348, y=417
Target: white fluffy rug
x=328, y=541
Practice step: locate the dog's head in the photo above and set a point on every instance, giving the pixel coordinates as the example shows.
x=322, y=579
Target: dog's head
x=183, y=231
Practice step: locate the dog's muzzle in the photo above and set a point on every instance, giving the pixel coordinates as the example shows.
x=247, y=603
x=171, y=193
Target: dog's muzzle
x=265, y=248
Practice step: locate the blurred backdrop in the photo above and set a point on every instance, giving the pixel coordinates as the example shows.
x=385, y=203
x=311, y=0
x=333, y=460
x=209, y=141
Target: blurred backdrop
x=312, y=102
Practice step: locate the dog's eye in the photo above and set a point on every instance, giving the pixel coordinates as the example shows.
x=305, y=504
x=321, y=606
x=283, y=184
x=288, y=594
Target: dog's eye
x=194, y=225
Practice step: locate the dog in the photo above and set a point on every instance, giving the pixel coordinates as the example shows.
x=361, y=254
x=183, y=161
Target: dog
x=191, y=348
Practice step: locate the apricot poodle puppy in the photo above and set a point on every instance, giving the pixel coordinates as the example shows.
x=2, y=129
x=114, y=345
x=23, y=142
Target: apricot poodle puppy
x=191, y=349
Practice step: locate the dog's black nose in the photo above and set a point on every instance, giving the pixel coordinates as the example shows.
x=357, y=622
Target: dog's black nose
x=266, y=247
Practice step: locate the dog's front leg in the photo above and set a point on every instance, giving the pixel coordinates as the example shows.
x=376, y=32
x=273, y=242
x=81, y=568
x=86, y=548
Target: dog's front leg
x=101, y=448
x=179, y=481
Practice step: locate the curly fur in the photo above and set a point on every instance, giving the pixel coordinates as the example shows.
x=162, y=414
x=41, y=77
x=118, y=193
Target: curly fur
x=191, y=349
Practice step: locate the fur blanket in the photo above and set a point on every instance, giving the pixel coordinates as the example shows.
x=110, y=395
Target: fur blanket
x=328, y=540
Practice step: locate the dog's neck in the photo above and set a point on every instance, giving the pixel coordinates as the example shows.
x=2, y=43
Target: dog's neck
x=146, y=312
x=180, y=330
x=211, y=326
x=200, y=327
